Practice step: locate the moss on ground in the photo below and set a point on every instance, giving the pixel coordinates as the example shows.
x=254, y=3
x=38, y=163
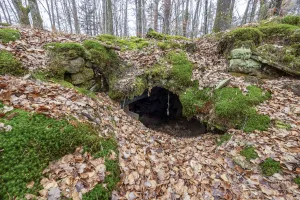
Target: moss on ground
x=247, y=37
x=7, y=35
x=4, y=24
x=34, y=141
x=270, y=167
x=9, y=64
x=70, y=50
x=160, y=36
x=279, y=31
x=236, y=110
x=249, y=153
x=223, y=138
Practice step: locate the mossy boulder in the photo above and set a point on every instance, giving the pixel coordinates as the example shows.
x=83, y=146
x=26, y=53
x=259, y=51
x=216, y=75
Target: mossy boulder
x=9, y=64
x=282, y=32
x=240, y=37
x=7, y=35
x=68, y=50
x=82, y=77
x=284, y=58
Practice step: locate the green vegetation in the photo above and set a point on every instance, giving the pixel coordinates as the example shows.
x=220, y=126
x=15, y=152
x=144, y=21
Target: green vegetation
x=247, y=37
x=159, y=36
x=297, y=181
x=34, y=141
x=4, y=24
x=181, y=71
x=70, y=50
x=7, y=35
x=9, y=64
x=270, y=167
x=112, y=166
x=249, y=153
x=280, y=31
x=281, y=125
x=223, y=138
x=130, y=43
x=236, y=109
x=193, y=100
x=291, y=19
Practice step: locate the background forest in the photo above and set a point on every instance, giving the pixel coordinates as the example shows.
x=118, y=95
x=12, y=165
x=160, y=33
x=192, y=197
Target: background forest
x=189, y=18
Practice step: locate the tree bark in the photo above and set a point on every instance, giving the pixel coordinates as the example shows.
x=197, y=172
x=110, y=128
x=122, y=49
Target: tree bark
x=22, y=12
x=53, y=16
x=253, y=10
x=206, y=17
x=139, y=27
x=37, y=21
x=278, y=4
x=110, y=25
x=167, y=13
x=223, y=15
x=156, y=15
x=126, y=19
x=262, y=10
x=75, y=17
x=186, y=18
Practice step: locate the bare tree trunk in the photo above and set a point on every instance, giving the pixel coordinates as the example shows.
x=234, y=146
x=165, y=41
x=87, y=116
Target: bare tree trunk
x=253, y=10
x=110, y=27
x=139, y=27
x=37, y=21
x=262, y=10
x=245, y=17
x=8, y=14
x=156, y=15
x=4, y=13
x=126, y=19
x=206, y=17
x=186, y=18
x=57, y=16
x=167, y=13
x=195, y=21
x=75, y=17
x=223, y=15
x=13, y=10
x=22, y=12
x=53, y=16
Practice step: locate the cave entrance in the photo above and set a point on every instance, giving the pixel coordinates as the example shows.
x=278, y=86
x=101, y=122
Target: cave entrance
x=161, y=110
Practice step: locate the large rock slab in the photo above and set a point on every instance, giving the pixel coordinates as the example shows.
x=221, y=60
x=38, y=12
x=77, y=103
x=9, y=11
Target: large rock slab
x=244, y=66
x=74, y=66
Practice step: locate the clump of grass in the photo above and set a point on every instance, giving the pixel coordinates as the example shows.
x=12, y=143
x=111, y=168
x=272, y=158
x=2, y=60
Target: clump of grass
x=223, y=138
x=249, y=153
x=297, y=181
x=7, y=35
x=34, y=141
x=9, y=64
x=291, y=19
x=270, y=167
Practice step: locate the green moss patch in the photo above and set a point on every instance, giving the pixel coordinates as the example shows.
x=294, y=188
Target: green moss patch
x=111, y=180
x=236, y=110
x=249, y=153
x=247, y=37
x=33, y=142
x=291, y=19
x=193, y=100
x=9, y=64
x=297, y=181
x=70, y=50
x=159, y=36
x=278, y=31
x=270, y=167
x=7, y=35
x=223, y=138
x=4, y=24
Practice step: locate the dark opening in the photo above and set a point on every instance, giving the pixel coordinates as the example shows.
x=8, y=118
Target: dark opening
x=162, y=111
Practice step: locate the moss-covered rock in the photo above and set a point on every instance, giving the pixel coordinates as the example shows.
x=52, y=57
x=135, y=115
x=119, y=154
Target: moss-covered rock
x=9, y=64
x=82, y=77
x=279, y=31
x=240, y=37
x=284, y=58
x=241, y=62
x=68, y=50
x=7, y=35
x=291, y=19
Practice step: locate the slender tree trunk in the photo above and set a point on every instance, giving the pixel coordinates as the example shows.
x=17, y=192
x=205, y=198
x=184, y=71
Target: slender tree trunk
x=8, y=14
x=126, y=19
x=75, y=17
x=53, y=16
x=253, y=10
x=139, y=30
x=110, y=18
x=167, y=13
x=206, y=17
x=245, y=16
x=4, y=13
x=49, y=14
x=22, y=12
x=37, y=21
x=262, y=10
x=57, y=16
x=156, y=15
x=186, y=18
x=195, y=19
x=13, y=10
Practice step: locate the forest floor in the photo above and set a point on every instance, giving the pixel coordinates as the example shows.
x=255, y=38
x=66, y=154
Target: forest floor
x=155, y=165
